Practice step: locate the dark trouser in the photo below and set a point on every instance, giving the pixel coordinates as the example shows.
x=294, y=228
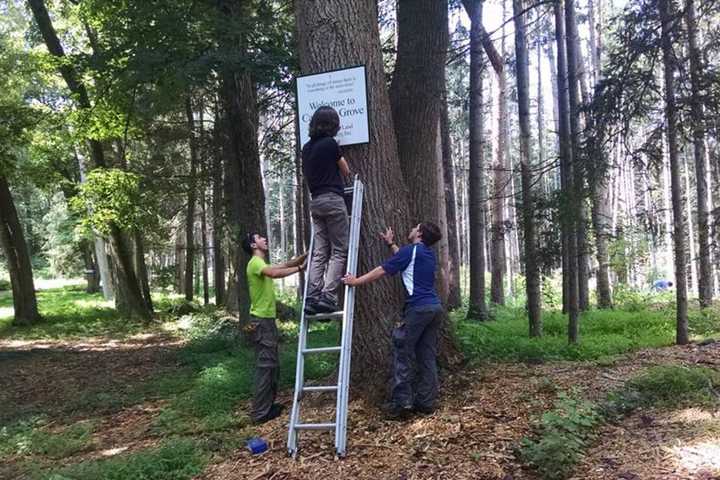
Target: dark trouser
x=267, y=371
x=415, y=348
x=329, y=217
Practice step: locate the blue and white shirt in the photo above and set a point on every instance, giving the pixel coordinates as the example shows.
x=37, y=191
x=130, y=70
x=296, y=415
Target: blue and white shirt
x=417, y=263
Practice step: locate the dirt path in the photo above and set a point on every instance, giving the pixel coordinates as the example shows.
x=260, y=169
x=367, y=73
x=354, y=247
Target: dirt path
x=484, y=414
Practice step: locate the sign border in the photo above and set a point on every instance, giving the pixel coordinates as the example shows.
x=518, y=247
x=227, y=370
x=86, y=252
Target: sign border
x=298, y=140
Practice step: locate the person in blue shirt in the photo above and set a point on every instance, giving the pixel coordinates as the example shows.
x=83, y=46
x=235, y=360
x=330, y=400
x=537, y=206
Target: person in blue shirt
x=662, y=285
x=415, y=340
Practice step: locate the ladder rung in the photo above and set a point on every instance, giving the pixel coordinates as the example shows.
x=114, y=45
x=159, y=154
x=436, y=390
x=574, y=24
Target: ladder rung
x=321, y=388
x=325, y=316
x=315, y=426
x=322, y=350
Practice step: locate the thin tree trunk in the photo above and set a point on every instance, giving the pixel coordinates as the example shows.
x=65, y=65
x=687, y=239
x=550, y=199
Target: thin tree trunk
x=17, y=257
x=693, y=283
x=454, y=297
x=192, y=200
x=217, y=215
x=501, y=183
x=570, y=278
x=476, y=194
x=119, y=245
x=705, y=279
x=574, y=82
x=679, y=233
x=532, y=273
x=141, y=268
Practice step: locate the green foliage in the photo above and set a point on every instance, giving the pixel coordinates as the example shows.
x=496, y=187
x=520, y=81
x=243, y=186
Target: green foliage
x=5, y=284
x=602, y=333
x=70, y=312
x=112, y=197
x=666, y=386
x=561, y=436
x=175, y=459
x=31, y=437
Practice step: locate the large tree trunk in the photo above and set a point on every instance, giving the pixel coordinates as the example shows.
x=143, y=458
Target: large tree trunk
x=569, y=241
x=532, y=272
x=476, y=195
x=141, y=268
x=501, y=181
x=679, y=233
x=354, y=40
x=12, y=241
x=119, y=245
x=246, y=212
x=416, y=98
x=454, y=298
x=579, y=174
x=192, y=199
x=705, y=279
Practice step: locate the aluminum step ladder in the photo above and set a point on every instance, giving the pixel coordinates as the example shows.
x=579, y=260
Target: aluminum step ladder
x=339, y=425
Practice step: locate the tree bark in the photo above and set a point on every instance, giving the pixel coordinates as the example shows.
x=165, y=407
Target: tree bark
x=416, y=98
x=192, y=199
x=354, y=39
x=570, y=278
x=141, y=269
x=671, y=112
x=238, y=95
x=705, y=279
x=12, y=241
x=454, y=297
x=579, y=174
x=476, y=195
x=119, y=245
x=532, y=273
x=217, y=215
x=501, y=181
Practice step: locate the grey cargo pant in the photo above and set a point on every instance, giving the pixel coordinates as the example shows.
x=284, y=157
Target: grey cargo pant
x=267, y=365
x=415, y=357
x=330, y=220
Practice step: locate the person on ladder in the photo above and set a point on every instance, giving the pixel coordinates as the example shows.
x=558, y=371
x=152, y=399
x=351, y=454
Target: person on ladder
x=262, y=329
x=323, y=168
x=415, y=339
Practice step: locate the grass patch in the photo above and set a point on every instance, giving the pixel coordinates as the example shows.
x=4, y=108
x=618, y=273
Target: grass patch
x=603, y=334
x=666, y=386
x=70, y=312
x=218, y=373
x=31, y=437
x=175, y=459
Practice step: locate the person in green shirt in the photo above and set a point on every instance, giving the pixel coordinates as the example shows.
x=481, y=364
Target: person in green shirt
x=262, y=328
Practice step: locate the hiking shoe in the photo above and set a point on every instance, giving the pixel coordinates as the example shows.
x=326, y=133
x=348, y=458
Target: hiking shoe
x=424, y=410
x=275, y=411
x=311, y=307
x=325, y=305
x=397, y=413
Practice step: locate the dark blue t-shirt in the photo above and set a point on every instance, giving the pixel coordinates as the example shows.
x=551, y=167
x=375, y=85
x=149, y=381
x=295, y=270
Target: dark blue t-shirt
x=417, y=264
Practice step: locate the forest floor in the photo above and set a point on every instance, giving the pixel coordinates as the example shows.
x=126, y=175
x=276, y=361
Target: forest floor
x=143, y=405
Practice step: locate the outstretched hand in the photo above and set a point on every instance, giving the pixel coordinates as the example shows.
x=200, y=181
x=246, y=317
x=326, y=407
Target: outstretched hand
x=388, y=236
x=297, y=261
x=350, y=280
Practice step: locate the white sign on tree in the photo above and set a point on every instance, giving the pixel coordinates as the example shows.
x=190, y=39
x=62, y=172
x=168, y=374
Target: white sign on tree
x=345, y=91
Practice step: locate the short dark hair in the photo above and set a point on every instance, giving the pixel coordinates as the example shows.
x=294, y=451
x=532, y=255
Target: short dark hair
x=325, y=122
x=670, y=284
x=248, y=241
x=430, y=233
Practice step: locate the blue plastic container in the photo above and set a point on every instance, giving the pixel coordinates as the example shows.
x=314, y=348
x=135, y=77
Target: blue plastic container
x=257, y=445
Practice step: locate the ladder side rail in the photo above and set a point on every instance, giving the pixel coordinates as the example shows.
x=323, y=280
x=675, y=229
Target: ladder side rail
x=300, y=361
x=347, y=330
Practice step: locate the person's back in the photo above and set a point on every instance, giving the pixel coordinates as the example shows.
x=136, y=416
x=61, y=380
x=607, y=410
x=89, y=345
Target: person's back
x=323, y=167
x=320, y=158
x=417, y=263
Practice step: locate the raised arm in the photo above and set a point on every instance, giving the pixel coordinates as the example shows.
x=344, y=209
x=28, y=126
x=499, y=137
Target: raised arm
x=280, y=271
x=371, y=276
x=344, y=167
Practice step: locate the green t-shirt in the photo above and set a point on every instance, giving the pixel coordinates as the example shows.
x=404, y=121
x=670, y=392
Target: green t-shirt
x=262, y=290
